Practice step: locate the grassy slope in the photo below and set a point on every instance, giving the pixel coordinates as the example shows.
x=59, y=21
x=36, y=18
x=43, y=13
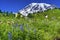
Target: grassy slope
x=35, y=28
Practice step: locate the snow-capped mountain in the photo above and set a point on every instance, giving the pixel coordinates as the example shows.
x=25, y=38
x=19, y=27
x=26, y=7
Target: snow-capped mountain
x=35, y=7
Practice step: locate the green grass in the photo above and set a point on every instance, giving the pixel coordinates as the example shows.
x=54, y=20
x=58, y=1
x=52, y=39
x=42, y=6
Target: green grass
x=34, y=27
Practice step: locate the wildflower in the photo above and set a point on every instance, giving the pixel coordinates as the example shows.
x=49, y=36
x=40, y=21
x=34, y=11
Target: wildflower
x=21, y=27
x=15, y=25
x=12, y=22
x=46, y=16
x=34, y=30
x=0, y=22
x=21, y=16
x=16, y=14
x=27, y=25
x=9, y=36
x=53, y=17
x=8, y=22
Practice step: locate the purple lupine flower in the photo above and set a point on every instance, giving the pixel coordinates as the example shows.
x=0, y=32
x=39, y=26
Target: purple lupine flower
x=21, y=27
x=34, y=30
x=27, y=26
x=15, y=25
x=9, y=36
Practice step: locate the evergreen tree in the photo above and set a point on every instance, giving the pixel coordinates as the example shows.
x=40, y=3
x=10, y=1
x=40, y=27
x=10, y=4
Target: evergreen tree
x=0, y=11
x=30, y=15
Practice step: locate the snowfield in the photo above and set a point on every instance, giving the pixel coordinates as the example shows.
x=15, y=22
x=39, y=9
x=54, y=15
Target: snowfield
x=35, y=7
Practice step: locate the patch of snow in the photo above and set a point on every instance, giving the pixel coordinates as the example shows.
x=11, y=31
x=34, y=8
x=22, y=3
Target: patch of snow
x=35, y=7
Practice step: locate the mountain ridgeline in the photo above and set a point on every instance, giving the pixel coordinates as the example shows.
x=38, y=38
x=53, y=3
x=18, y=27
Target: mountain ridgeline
x=36, y=7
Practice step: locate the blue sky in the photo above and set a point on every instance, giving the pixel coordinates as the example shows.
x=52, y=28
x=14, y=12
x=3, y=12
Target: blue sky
x=16, y=5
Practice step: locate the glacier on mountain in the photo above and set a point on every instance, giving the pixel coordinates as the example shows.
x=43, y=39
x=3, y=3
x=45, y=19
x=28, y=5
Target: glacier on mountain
x=35, y=7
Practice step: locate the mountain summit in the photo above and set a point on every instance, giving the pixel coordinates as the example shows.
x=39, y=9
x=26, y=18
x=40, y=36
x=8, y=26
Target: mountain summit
x=35, y=7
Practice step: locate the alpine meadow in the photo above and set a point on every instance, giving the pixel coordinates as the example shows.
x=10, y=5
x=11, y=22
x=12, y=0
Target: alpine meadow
x=37, y=26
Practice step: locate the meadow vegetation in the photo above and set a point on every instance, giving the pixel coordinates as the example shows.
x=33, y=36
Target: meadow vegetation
x=36, y=26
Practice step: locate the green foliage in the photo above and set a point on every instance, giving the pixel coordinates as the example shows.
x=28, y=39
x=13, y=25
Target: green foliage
x=19, y=15
x=30, y=15
x=35, y=27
